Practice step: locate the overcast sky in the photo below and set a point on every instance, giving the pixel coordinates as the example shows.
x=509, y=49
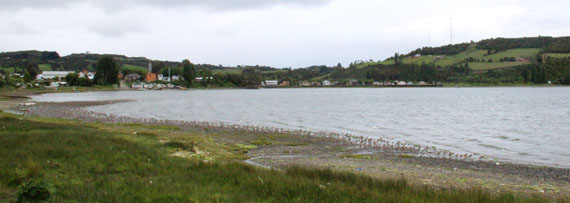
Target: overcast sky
x=279, y=33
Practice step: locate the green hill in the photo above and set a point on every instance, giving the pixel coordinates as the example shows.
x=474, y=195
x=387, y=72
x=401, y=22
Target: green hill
x=498, y=60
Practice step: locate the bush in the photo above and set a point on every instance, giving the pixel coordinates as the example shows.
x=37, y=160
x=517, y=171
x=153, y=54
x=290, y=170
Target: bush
x=35, y=191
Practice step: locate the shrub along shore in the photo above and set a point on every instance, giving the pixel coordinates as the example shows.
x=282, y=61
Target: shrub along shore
x=81, y=160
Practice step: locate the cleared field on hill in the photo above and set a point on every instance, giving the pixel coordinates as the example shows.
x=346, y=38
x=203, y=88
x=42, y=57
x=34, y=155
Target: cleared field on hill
x=471, y=52
x=228, y=71
x=45, y=67
x=133, y=67
x=8, y=69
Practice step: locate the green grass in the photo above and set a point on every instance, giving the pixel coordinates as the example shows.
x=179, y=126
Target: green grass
x=557, y=55
x=494, y=65
x=470, y=52
x=228, y=71
x=92, y=162
x=8, y=69
x=134, y=67
x=45, y=67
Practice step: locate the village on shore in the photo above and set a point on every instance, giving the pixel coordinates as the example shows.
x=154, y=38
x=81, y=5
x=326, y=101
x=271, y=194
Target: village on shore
x=154, y=81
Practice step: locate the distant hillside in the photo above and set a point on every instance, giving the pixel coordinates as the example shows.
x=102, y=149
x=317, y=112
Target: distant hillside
x=499, y=60
x=487, y=54
x=51, y=60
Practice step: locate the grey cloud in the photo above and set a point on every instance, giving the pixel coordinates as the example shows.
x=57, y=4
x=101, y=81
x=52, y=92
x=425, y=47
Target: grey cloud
x=117, y=28
x=113, y=4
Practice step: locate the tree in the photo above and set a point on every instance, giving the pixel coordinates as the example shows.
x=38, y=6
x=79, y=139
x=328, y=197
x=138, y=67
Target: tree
x=188, y=72
x=33, y=70
x=107, y=71
x=157, y=67
x=206, y=74
x=250, y=77
x=7, y=80
x=72, y=79
x=397, y=59
x=27, y=77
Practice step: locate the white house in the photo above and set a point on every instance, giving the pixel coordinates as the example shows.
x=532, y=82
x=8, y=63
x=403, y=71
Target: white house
x=53, y=74
x=175, y=78
x=137, y=85
x=160, y=77
x=271, y=83
x=410, y=83
x=55, y=85
x=375, y=83
x=89, y=75
x=402, y=83
x=326, y=83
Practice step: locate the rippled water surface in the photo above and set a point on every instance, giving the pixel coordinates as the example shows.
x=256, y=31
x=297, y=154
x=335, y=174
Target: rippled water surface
x=524, y=125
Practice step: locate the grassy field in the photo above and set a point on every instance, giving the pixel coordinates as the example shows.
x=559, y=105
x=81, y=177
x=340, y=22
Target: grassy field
x=228, y=71
x=470, y=52
x=134, y=67
x=73, y=161
x=45, y=67
x=8, y=69
x=495, y=65
x=556, y=55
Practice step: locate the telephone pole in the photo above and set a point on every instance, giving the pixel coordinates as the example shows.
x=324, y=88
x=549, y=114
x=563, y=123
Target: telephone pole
x=450, y=31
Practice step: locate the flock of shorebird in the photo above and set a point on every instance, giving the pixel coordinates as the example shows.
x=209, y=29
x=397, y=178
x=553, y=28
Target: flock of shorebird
x=376, y=144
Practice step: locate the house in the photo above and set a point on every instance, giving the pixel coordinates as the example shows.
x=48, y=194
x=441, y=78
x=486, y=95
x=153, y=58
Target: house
x=46, y=75
x=271, y=83
x=160, y=77
x=175, y=78
x=305, y=84
x=317, y=84
x=89, y=75
x=285, y=83
x=376, y=83
x=150, y=77
x=132, y=77
x=326, y=83
x=353, y=82
x=422, y=83
x=401, y=83
x=53, y=85
x=522, y=60
x=200, y=79
x=137, y=85
x=416, y=56
x=166, y=79
x=410, y=83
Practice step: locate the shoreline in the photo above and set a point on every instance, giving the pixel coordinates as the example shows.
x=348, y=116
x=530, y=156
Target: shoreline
x=322, y=151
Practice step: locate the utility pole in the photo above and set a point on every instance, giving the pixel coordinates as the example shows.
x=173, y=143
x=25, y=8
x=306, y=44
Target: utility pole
x=450, y=31
x=429, y=30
